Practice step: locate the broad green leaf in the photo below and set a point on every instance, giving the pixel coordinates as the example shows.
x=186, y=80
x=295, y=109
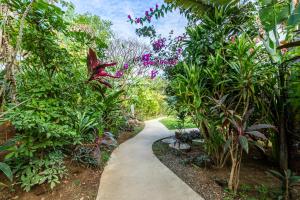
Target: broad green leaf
x=294, y=180
x=6, y=170
x=294, y=19
x=7, y=145
x=276, y=174
x=274, y=14
x=227, y=144
x=244, y=143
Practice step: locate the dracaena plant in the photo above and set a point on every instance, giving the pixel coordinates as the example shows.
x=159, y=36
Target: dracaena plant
x=239, y=133
x=288, y=180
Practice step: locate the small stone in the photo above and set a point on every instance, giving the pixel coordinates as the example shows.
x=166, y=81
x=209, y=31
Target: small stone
x=16, y=197
x=180, y=146
x=169, y=140
x=198, y=141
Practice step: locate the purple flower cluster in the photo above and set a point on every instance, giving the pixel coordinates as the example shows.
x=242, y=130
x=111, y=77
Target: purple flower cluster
x=181, y=38
x=126, y=66
x=159, y=44
x=171, y=62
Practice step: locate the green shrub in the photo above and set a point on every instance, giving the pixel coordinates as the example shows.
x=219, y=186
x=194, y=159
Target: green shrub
x=86, y=156
x=49, y=169
x=172, y=123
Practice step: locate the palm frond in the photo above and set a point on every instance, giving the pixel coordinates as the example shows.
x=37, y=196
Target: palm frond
x=197, y=7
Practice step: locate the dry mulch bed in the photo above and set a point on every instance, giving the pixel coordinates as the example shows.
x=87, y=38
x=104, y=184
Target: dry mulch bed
x=210, y=183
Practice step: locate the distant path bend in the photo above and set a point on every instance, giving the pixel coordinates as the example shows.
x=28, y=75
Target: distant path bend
x=134, y=173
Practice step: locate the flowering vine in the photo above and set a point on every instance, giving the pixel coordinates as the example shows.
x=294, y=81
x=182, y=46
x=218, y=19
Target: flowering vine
x=166, y=52
x=157, y=12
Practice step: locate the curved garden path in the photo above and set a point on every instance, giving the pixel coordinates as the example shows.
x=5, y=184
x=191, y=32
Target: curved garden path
x=134, y=173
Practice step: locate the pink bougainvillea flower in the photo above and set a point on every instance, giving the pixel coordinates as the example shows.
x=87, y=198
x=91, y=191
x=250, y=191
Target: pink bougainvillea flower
x=146, y=57
x=151, y=10
x=153, y=73
x=179, y=51
x=156, y=6
x=179, y=38
x=119, y=73
x=147, y=13
x=145, y=63
x=149, y=18
x=96, y=69
x=126, y=66
x=159, y=44
x=138, y=20
x=129, y=17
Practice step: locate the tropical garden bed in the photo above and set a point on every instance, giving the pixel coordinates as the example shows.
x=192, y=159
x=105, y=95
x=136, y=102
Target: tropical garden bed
x=211, y=183
x=81, y=182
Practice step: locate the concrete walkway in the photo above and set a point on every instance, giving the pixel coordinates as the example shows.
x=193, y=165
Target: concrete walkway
x=134, y=173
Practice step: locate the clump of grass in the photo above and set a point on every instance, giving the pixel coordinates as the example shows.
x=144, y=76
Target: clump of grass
x=172, y=123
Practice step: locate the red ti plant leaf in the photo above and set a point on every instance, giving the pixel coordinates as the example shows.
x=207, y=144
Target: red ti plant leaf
x=260, y=126
x=257, y=134
x=96, y=69
x=237, y=126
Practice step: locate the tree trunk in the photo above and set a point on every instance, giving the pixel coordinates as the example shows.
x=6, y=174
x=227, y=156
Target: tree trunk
x=282, y=102
x=236, y=158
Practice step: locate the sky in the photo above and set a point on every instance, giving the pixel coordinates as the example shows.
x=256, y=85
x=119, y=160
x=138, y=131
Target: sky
x=117, y=11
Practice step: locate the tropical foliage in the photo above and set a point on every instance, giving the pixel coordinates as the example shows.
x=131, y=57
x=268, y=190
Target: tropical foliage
x=45, y=91
x=236, y=78
x=234, y=74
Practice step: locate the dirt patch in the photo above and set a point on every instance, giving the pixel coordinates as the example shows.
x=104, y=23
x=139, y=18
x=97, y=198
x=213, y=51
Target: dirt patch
x=210, y=183
x=81, y=184
x=126, y=135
